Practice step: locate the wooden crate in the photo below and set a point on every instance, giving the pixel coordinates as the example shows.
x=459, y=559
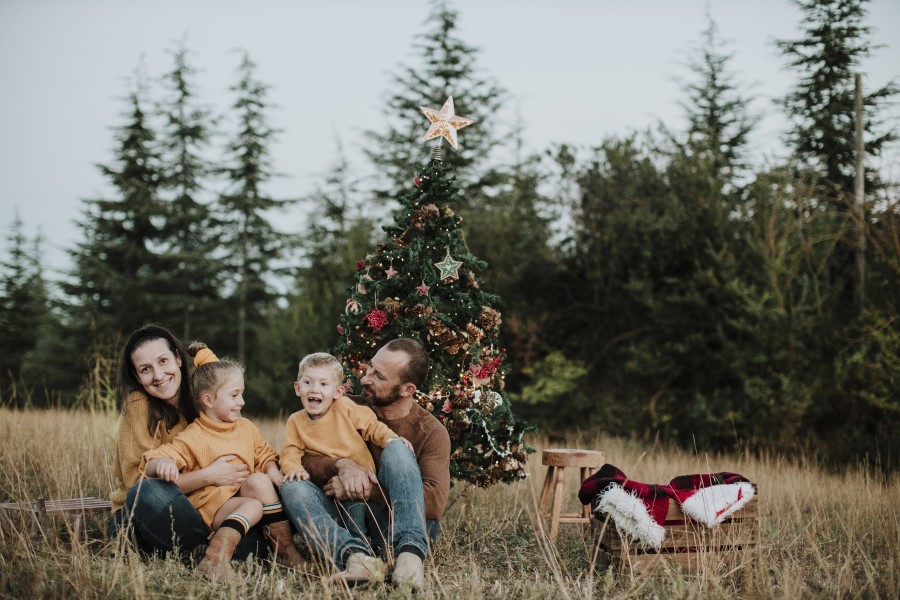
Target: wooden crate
x=689, y=545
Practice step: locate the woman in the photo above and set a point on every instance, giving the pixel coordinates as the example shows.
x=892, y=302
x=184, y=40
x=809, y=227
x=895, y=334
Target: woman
x=156, y=405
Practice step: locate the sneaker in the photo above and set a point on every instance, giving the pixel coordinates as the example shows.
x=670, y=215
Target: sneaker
x=409, y=571
x=361, y=568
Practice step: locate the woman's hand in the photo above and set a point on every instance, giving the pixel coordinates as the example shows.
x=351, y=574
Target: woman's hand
x=223, y=472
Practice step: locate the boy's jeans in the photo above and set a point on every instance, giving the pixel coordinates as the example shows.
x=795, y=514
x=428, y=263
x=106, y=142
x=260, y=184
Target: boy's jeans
x=318, y=519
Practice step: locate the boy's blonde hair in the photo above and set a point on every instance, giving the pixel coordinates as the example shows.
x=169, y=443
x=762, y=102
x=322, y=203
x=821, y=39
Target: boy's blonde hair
x=321, y=359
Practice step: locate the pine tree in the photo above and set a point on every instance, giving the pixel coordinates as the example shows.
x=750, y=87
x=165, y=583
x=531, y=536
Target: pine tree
x=719, y=121
x=252, y=244
x=448, y=67
x=822, y=104
x=421, y=283
x=194, y=274
x=24, y=307
x=118, y=282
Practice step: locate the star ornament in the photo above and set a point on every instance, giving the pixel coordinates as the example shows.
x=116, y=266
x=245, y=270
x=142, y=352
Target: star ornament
x=444, y=123
x=449, y=267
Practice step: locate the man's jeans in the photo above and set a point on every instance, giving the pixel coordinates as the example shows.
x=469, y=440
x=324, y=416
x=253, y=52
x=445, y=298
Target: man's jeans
x=329, y=531
x=163, y=520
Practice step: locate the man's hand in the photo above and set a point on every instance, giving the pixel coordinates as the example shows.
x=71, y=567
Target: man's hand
x=223, y=472
x=352, y=482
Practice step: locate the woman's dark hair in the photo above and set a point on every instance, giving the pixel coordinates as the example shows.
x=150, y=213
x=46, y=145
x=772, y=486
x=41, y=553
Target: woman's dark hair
x=128, y=381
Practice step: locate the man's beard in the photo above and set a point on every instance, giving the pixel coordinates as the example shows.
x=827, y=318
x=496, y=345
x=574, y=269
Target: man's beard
x=390, y=398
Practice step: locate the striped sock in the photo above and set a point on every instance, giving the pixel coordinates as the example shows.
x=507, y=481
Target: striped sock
x=272, y=513
x=237, y=522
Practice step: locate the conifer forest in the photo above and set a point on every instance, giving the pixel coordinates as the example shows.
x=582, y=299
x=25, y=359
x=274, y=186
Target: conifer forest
x=655, y=285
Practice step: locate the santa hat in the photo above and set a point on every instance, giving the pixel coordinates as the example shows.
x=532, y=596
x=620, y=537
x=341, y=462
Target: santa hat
x=636, y=508
x=711, y=498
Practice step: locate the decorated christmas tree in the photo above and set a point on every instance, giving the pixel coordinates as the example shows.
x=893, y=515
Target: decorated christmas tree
x=421, y=283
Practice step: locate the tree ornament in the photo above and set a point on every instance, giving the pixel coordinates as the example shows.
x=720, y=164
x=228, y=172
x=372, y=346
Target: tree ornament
x=444, y=122
x=449, y=267
x=353, y=307
x=418, y=181
x=376, y=319
x=423, y=289
x=390, y=272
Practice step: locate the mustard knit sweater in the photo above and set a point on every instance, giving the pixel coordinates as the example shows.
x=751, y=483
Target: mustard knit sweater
x=342, y=432
x=205, y=440
x=133, y=440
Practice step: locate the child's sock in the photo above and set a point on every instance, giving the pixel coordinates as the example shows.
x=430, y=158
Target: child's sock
x=272, y=513
x=237, y=522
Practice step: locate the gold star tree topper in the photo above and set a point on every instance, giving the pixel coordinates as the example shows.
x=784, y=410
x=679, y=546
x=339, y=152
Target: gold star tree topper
x=444, y=122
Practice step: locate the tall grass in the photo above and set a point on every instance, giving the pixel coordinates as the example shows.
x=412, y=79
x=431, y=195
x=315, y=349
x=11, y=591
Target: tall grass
x=823, y=534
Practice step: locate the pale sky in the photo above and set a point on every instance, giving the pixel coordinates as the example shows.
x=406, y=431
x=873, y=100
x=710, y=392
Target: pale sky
x=577, y=71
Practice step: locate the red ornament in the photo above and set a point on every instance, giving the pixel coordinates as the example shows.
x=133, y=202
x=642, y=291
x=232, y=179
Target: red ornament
x=447, y=406
x=423, y=289
x=376, y=319
x=418, y=181
x=360, y=265
x=340, y=330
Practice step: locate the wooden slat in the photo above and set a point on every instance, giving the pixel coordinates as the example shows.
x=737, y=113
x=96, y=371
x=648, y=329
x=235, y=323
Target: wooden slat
x=69, y=505
x=685, y=536
x=689, y=562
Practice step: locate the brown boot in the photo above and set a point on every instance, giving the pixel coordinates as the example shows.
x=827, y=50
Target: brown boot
x=281, y=538
x=216, y=563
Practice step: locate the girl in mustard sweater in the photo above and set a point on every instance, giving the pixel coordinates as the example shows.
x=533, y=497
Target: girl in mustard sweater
x=230, y=511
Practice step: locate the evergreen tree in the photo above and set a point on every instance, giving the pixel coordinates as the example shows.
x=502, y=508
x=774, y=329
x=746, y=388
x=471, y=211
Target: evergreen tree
x=119, y=281
x=420, y=283
x=24, y=308
x=447, y=68
x=719, y=121
x=336, y=233
x=822, y=104
x=194, y=274
x=252, y=244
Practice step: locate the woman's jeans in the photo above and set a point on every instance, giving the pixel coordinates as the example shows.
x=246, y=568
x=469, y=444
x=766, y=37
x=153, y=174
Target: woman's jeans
x=163, y=520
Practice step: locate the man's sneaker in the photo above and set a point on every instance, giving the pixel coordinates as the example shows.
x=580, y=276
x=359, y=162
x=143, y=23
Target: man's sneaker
x=361, y=568
x=409, y=571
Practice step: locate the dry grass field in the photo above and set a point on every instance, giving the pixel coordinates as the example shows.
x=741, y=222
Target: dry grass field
x=823, y=535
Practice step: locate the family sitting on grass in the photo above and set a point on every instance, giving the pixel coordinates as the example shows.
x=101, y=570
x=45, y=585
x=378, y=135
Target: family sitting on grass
x=356, y=483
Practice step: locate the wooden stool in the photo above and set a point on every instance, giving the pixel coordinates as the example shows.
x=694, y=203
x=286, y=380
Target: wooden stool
x=557, y=460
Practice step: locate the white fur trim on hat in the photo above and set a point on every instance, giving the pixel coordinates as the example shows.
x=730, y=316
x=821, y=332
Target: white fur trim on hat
x=630, y=515
x=712, y=505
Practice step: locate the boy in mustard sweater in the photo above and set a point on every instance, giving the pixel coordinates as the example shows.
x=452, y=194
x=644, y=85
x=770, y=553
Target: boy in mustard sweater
x=229, y=511
x=331, y=424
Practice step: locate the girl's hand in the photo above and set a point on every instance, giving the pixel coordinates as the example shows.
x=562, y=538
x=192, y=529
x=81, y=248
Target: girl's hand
x=167, y=470
x=275, y=476
x=298, y=475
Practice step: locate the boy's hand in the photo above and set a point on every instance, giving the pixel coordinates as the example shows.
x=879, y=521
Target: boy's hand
x=298, y=475
x=403, y=440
